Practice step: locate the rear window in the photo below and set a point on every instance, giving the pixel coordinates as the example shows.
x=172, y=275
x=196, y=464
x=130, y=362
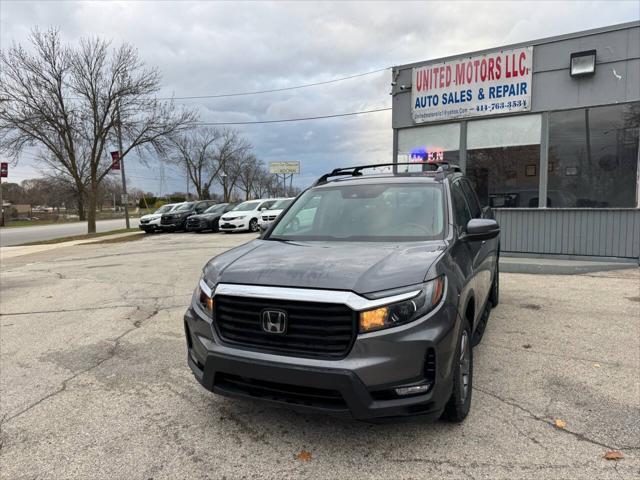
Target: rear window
x=391, y=212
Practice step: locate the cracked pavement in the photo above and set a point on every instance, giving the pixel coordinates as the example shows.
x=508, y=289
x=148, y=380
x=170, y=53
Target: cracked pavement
x=94, y=381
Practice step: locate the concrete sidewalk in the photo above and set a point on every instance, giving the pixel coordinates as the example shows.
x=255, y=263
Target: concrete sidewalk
x=561, y=266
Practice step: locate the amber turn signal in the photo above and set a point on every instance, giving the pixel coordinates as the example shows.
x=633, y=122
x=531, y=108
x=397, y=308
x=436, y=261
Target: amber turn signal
x=373, y=319
x=207, y=302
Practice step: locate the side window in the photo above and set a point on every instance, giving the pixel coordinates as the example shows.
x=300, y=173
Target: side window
x=266, y=205
x=461, y=212
x=472, y=199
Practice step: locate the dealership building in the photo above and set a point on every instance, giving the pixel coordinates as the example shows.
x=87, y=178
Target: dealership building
x=547, y=130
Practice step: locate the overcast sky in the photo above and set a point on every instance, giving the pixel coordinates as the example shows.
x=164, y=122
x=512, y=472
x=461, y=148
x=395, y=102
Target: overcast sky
x=208, y=48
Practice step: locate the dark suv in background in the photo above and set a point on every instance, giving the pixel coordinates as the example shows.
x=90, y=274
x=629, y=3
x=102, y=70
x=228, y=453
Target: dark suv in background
x=177, y=219
x=364, y=298
x=209, y=219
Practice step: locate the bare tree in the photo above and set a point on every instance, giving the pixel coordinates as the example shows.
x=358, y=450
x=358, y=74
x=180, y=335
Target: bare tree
x=265, y=185
x=250, y=170
x=232, y=151
x=70, y=100
x=109, y=192
x=195, y=152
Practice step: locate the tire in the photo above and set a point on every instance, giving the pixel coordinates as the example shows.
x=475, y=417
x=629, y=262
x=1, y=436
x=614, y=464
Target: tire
x=253, y=225
x=459, y=403
x=494, y=296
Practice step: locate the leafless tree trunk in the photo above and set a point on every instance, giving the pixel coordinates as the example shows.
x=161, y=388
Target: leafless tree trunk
x=231, y=152
x=67, y=101
x=250, y=171
x=195, y=153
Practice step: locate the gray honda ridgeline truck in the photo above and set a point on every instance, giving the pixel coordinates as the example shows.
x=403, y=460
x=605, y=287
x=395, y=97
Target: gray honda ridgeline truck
x=364, y=298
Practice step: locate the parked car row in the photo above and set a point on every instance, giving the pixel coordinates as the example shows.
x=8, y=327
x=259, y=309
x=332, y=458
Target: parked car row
x=207, y=215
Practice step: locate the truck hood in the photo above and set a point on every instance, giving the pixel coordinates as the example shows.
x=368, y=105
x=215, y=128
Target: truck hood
x=361, y=267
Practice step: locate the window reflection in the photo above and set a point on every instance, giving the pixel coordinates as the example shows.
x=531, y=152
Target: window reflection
x=503, y=156
x=505, y=177
x=593, y=157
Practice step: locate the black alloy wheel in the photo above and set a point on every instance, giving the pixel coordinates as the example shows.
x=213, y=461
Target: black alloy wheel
x=459, y=403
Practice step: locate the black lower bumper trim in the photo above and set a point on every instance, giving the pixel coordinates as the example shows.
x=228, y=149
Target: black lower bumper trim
x=328, y=390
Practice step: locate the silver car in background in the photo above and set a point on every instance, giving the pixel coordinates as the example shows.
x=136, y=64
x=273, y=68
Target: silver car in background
x=151, y=222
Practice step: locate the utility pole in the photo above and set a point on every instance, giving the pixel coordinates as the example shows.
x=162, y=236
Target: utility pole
x=124, y=179
x=1, y=205
x=4, y=172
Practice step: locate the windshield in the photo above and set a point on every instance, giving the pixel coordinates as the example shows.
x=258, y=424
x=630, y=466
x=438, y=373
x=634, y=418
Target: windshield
x=164, y=208
x=281, y=204
x=216, y=208
x=391, y=212
x=183, y=207
x=246, y=206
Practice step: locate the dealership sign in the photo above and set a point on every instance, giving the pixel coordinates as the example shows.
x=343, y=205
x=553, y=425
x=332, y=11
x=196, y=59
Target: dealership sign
x=498, y=82
x=284, y=168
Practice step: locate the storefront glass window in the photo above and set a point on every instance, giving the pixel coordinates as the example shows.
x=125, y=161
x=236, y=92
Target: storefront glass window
x=503, y=156
x=593, y=157
x=429, y=143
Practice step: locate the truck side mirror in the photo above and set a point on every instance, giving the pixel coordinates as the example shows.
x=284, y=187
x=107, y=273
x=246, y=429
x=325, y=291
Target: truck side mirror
x=481, y=229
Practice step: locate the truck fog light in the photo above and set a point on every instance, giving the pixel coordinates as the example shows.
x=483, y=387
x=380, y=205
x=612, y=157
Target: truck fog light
x=413, y=390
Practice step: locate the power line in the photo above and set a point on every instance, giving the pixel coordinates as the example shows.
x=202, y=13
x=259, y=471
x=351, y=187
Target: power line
x=299, y=119
x=259, y=92
x=272, y=90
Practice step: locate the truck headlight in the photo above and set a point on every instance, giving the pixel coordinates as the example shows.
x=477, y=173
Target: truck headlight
x=204, y=296
x=405, y=311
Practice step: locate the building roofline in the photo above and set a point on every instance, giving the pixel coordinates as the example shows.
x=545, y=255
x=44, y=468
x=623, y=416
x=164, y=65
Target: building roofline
x=541, y=41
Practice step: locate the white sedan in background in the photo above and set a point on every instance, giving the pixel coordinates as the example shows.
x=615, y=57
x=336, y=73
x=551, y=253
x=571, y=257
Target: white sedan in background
x=151, y=222
x=245, y=216
x=268, y=216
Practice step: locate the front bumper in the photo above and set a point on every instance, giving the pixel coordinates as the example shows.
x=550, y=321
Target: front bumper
x=177, y=224
x=199, y=226
x=150, y=226
x=360, y=386
x=234, y=225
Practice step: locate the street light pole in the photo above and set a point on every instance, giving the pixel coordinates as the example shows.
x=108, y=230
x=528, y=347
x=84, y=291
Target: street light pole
x=124, y=179
x=1, y=205
x=224, y=186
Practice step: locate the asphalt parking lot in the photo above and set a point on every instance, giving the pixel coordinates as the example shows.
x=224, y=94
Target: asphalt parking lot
x=95, y=384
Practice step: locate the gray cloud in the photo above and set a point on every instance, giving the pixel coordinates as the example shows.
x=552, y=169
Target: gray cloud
x=214, y=47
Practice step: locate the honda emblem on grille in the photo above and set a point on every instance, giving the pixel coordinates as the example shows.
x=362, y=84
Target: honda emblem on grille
x=274, y=321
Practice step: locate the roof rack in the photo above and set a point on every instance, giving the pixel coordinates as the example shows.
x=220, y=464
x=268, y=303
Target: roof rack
x=438, y=167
